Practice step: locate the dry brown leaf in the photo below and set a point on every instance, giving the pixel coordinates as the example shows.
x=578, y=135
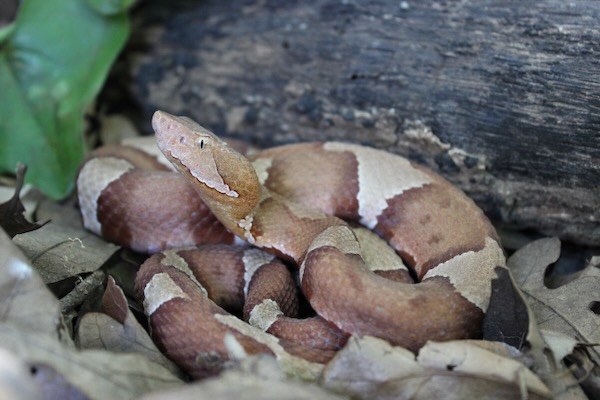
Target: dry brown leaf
x=24, y=299
x=60, y=251
x=370, y=368
x=561, y=345
x=507, y=318
x=469, y=358
x=7, y=192
x=64, y=213
x=566, y=309
x=12, y=218
x=53, y=384
x=97, y=374
x=30, y=329
x=117, y=330
x=256, y=377
x=115, y=128
x=15, y=378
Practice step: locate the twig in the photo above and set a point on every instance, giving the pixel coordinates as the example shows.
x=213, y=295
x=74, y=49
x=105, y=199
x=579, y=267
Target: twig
x=81, y=291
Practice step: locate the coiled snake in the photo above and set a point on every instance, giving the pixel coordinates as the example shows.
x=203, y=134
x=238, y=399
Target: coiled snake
x=302, y=203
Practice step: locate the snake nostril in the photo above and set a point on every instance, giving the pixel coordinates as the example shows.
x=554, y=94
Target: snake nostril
x=182, y=139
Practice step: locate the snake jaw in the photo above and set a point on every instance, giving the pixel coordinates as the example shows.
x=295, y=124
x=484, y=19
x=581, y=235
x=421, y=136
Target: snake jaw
x=209, y=177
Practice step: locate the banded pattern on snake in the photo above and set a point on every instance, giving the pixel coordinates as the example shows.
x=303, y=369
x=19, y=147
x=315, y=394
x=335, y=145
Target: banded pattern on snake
x=424, y=274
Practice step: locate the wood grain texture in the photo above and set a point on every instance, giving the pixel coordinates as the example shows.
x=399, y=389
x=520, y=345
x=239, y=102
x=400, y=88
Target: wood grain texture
x=501, y=98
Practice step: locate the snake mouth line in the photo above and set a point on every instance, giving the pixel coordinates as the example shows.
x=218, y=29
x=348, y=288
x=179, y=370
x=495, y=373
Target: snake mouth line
x=224, y=189
x=220, y=187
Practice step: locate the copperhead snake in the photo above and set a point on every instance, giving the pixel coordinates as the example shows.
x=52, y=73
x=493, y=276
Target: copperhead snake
x=300, y=202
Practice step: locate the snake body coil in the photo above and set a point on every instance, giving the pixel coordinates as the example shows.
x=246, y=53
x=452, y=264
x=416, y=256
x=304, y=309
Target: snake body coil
x=296, y=202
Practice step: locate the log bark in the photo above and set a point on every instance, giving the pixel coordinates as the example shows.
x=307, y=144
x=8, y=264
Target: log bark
x=500, y=97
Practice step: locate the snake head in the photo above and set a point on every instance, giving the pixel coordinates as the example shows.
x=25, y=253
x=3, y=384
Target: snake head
x=225, y=179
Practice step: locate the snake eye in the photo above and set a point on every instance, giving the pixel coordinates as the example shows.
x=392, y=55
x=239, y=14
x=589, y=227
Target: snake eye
x=202, y=143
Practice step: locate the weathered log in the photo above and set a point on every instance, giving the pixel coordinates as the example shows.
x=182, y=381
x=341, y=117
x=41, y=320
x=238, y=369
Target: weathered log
x=500, y=97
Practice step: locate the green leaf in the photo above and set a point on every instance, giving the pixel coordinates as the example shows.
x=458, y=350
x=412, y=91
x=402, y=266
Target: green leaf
x=110, y=7
x=6, y=31
x=52, y=65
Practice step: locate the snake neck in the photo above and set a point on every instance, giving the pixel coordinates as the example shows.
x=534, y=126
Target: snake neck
x=291, y=240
